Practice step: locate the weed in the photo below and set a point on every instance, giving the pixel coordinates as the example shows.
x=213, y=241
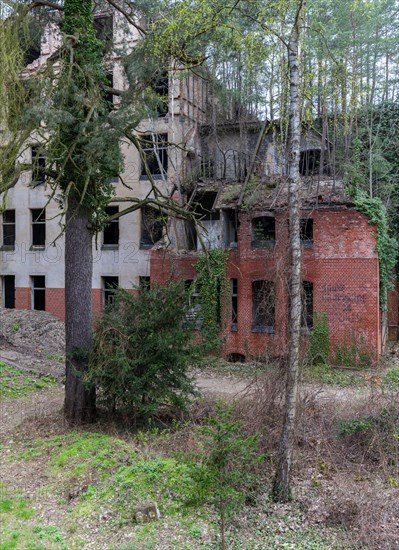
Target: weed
x=326, y=374
x=355, y=425
x=15, y=383
x=16, y=327
x=55, y=357
x=391, y=380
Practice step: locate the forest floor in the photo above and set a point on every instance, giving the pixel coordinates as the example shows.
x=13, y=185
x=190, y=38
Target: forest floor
x=63, y=487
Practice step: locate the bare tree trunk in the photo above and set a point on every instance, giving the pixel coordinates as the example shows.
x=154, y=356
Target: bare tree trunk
x=282, y=480
x=79, y=401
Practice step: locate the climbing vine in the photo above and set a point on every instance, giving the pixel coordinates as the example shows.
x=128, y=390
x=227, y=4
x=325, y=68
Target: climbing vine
x=213, y=287
x=387, y=246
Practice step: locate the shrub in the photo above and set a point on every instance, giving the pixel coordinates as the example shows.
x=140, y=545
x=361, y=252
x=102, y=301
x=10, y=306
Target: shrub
x=142, y=350
x=319, y=340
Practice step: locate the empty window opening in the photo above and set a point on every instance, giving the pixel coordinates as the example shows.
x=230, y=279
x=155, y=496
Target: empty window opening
x=110, y=285
x=9, y=229
x=234, y=304
x=307, y=304
x=111, y=230
x=309, y=162
x=263, y=306
x=103, y=27
x=144, y=283
x=152, y=225
x=161, y=88
x=155, y=153
x=204, y=207
x=306, y=231
x=263, y=232
x=108, y=95
x=38, y=167
x=38, y=227
x=9, y=291
x=39, y=292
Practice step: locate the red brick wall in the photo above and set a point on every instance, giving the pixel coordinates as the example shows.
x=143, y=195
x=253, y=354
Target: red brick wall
x=23, y=298
x=342, y=264
x=55, y=302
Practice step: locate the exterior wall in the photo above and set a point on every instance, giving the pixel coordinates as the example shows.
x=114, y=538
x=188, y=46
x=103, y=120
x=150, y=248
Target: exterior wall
x=342, y=265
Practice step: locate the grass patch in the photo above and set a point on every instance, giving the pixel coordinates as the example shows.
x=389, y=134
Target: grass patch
x=19, y=530
x=16, y=383
x=326, y=374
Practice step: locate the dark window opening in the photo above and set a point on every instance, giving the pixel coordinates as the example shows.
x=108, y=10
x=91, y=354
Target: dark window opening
x=204, y=206
x=144, y=283
x=307, y=305
x=38, y=167
x=152, y=225
x=9, y=229
x=39, y=292
x=9, y=291
x=103, y=27
x=309, y=162
x=191, y=233
x=231, y=228
x=155, y=152
x=31, y=55
x=110, y=285
x=161, y=88
x=263, y=306
x=108, y=95
x=111, y=231
x=234, y=304
x=207, y=168
x=38, y=226
x=306, y=231
x=263, y=232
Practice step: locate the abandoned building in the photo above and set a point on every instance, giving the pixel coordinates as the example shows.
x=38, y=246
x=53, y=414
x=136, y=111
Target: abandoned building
x=233, y=177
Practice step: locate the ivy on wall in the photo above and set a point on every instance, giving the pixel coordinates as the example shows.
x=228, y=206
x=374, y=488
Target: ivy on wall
x=387, y=246
x=213, y=287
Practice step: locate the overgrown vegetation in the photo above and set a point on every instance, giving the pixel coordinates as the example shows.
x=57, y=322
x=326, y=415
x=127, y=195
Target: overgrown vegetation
x=319, y=339
x=16, y=383
x=212, y=285
x=143, y=347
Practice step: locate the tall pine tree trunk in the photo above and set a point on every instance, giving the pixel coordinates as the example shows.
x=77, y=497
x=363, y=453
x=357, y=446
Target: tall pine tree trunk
x=282, y=480
x=79, y=401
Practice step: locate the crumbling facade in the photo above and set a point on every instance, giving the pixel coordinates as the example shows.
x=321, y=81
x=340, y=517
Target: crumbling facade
x=232, y=176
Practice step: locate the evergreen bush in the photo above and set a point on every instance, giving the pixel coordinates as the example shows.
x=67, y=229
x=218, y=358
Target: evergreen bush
x=142, y=350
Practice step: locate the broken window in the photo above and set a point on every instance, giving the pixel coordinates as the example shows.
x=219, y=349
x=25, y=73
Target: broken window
x=111, y=231
x=230, y=228
x=9, y=291
x=234, y=304
x=38, y=227
x=263, y=306
x=38, y=167
x=110, y=285
x=152, y=225
x=9, y=229
x=307, y=304
x=39, y=292
x=194, y=318
x=306, y=231
x=155, y=153
x=263, y=232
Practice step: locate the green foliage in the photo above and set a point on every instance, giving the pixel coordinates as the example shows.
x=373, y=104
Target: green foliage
x=355, y=425
x=142, y=350
x=326, y=374
x=224, y=473
x=319, y=339
x=353, y=353
x=212, y=285
x=387, y=245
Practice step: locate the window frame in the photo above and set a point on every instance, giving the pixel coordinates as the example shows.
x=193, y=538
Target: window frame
x=35, y=288
x=270, y=290
x=157, y=145
x=8, y=224
x=108, y=293
x=39, y=161
x=145, y=233
x=267, y=241
x=35, y=225
x=111, y=229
